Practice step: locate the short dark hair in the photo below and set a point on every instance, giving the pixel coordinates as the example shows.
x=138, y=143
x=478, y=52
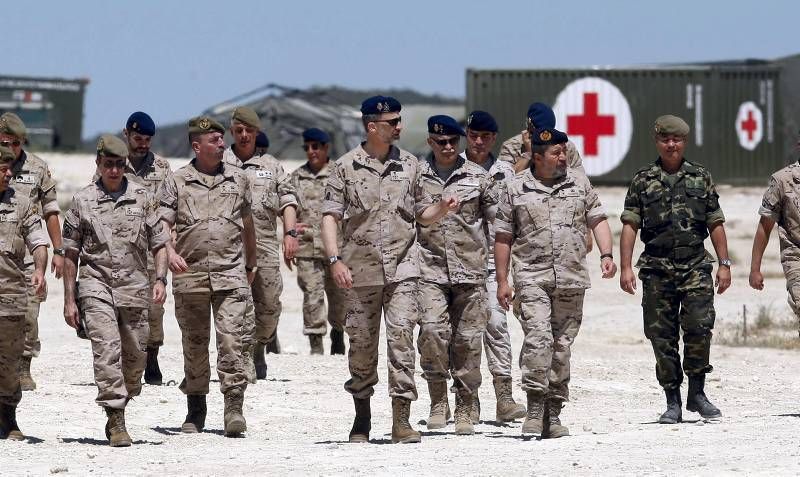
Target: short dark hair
x=369, y=118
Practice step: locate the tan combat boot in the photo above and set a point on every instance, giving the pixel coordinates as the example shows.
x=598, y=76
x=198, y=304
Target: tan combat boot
x=116, y=433
x=362, y=423
x=316, y=344
x=248, y=356
x=554, y=427
x=535, y=416
x=463, y=414
x=475, y=411
x=235, y=424
x=196, y=416
x=402, y=432
x=440, y=407
x=26, y=382
x=8, y=423
x=507, y=409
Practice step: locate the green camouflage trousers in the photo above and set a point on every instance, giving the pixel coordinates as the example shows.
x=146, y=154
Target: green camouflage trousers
x=119, y=342
x=316, y=281
x=550, y=318
x=363, y=306
x=452, y=322
x=674, y=301
x=12, y=330
x=193, y=313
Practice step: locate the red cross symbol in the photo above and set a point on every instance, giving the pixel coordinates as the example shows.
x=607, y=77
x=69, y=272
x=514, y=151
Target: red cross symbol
x=590, y=125
x=749, y=125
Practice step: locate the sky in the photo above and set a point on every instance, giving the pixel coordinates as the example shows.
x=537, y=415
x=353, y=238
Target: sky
x=174, y=59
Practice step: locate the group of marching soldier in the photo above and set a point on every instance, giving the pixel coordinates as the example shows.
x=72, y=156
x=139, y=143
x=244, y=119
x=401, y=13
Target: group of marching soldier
x=433, y=244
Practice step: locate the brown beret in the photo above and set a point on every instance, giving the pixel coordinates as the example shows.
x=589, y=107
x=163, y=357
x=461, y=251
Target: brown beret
x=6, y=155
x=247, y=116
x=205, y=124
x=670, y=124
x=110, y=145
x=11, y=124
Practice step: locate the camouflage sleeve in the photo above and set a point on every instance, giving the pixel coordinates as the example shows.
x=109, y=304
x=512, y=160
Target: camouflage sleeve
x=287, y=192
x=334, y=193
x=504, y=220
x=511, y=150
x=574, y=160
x=167, y=199
x=489, y=197
x=632, y=214
x=714, y=213
x=32, y=230
x=595, y=212
x=771, y=203
x=247, y=196
x=71, y=231
x=47, y=194
x=422, y=199
x=157, y=234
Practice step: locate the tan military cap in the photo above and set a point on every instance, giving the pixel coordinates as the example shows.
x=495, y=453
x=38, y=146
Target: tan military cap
x=204, y=124
x=11, y=124
x=247, y=116
x=110, y=145
x=6, y=155
x=669, y=124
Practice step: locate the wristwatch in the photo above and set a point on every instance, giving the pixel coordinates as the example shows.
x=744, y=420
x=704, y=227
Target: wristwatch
x=725, y=262
x=291, y=232
x=162, y=280
x=250, y=269
x=58, y=251
x=333, y=259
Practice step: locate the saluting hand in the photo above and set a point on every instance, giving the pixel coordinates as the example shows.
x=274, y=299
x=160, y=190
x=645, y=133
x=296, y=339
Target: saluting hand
x=723, y=279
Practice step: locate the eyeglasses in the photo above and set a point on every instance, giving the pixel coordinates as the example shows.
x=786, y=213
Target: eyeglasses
x=453, y=141
x=314, y=146
x=15, y=143
x=391, y=122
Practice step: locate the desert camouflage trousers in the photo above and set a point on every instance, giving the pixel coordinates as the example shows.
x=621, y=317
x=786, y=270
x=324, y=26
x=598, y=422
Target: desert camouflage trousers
x=32, y=343
x=550, y=318
x=119, y=341
x=316, y=281
x=452, y=323
x=12, y=330
x=675, y=301
x=193, y=313
x=793, y=287
x=156, y=314
x=363, y=306
x=266, y=291
x=496, y=339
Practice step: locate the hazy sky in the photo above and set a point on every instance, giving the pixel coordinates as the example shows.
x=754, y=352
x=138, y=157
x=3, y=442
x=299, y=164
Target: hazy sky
x=174, y=59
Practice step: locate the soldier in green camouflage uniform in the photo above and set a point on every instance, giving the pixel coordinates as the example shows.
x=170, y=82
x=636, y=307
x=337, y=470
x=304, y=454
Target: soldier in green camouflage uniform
x=675, y=204
x=20, y=230
x=313, y=273
x=31, y=177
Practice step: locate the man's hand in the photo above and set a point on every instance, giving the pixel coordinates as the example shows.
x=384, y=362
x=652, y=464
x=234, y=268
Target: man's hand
x=504, y=295
x=57, y=265
x=39, y=284
x=756, y=280
x=526, y=141
x=71, y=313
x=177, y=264
x=449, y=204
x=159, y=293
x=341, y=275
x=608, y=267
x=290, y=247
x=627, y=280
x=723, y=279
x=251, y=275
x=301, y=228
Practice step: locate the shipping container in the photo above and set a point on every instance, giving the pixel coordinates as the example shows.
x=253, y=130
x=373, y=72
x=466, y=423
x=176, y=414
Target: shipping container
x=734, y=110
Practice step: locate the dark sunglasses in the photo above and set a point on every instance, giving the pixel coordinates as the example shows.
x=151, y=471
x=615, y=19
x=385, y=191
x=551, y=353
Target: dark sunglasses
x=113, y=164
x=391, y=122
x=313, y=147
x=453, y=141
x=15, y=143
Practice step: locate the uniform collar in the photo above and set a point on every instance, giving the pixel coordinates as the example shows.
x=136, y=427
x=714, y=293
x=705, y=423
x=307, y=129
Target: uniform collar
x=305, y=170
x=104, y=196
x=19, y=163
x=532, y=182
x=147, y=162
x=686, y=168
x=489, y=163
x=363, y=158
x=430, y=166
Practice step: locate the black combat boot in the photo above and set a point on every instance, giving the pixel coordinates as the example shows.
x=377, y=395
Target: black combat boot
x=260, y=361
x=673, y=413
x=362, y=423
x=8, y=423
x=696, y=400
x=273, y=345
x=196, y=416
x=152, y=373
x=337, y=341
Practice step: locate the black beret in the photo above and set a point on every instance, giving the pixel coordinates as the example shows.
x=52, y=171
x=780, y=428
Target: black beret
x=445, y=125
x=141, y=123
x=262, y=140
x=481, y=121
x=541, y=116
x=380, y=104
x=315, y=134
x=548, y=136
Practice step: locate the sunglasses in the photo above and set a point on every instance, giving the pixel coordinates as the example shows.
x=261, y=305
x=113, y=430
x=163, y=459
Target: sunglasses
x=391, y=122
x=313, y=147
x=453, y=141
x=112, y=164
x=10, y=143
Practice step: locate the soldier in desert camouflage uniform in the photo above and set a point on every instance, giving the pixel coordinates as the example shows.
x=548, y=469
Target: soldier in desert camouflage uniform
x=313, y=273
x=109, y=230
x=453, y=305
x=676, y=206
x=273, y=196
x=542, y=221
x=208, y=203
x=481, y=136
x=31, y=177
x=20, y=230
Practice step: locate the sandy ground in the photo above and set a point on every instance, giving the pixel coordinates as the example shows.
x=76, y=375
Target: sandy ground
x=300, y=417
